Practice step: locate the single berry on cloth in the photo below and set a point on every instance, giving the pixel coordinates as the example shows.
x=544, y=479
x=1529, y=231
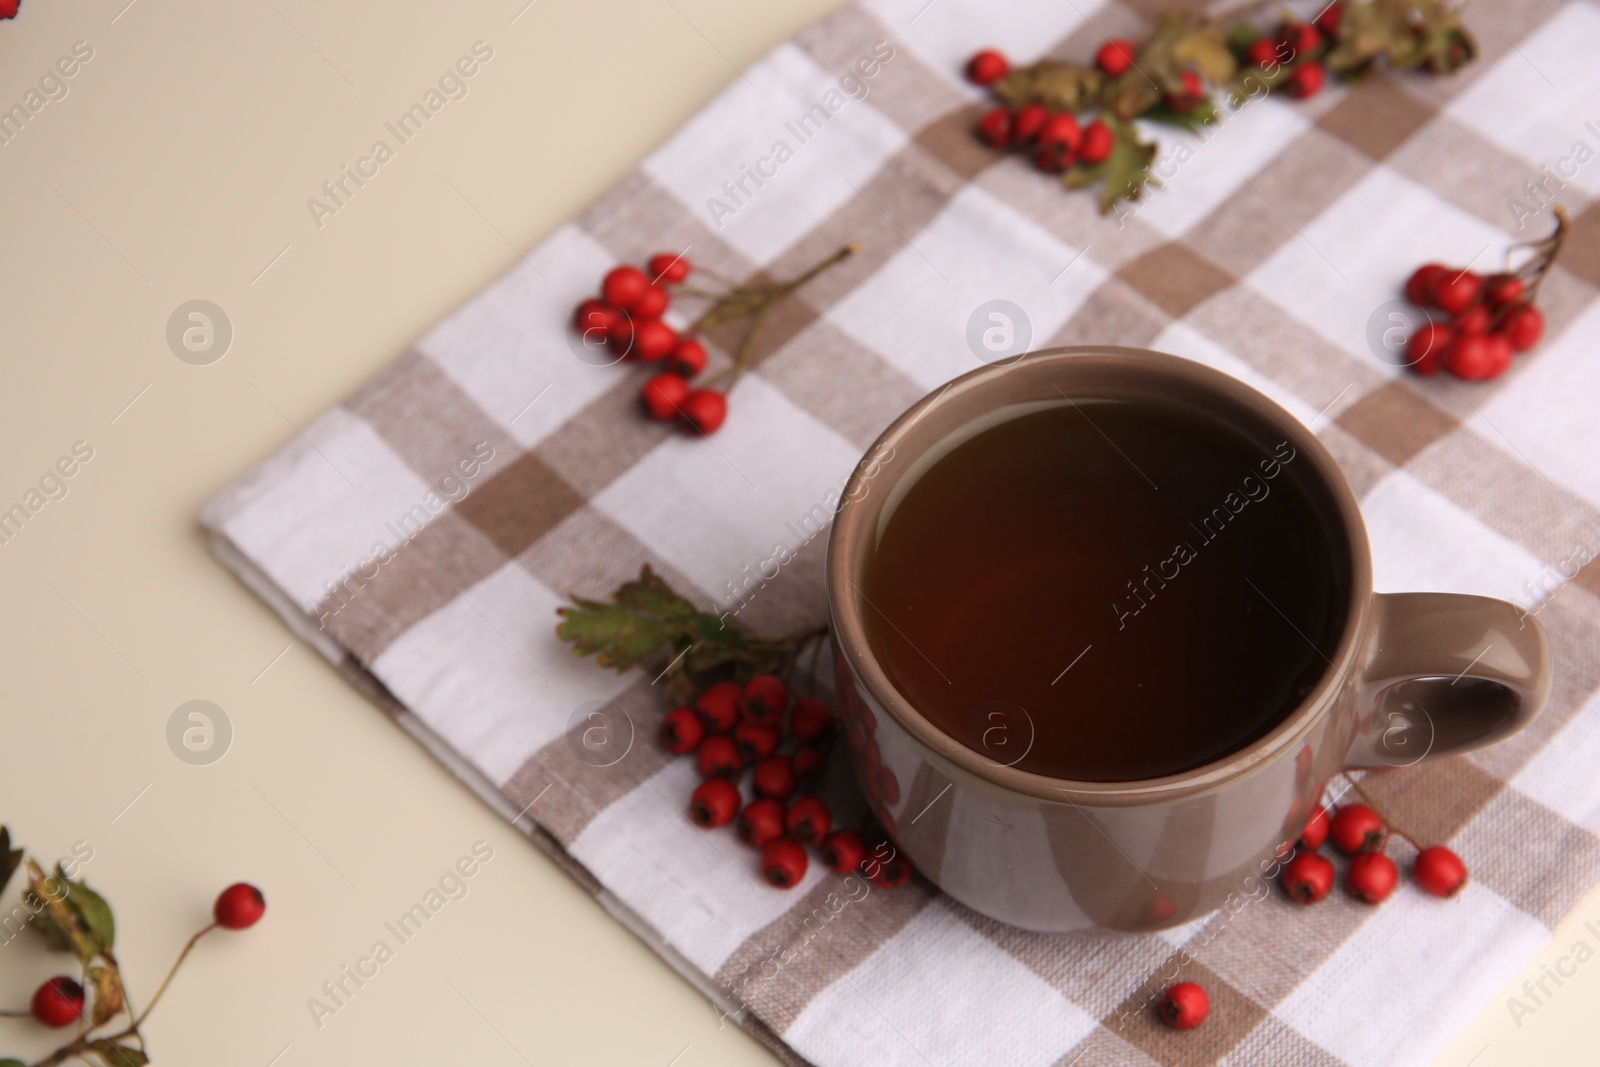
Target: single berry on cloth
x=892, y=873
x=809, y=762
x=623, y=286
x=664, y=396
x=1372, y=877
x=1028, y=121
x=718, y=757
x=653, y=340
x=688, y=358
x=1184, y=1006
x=1524, y=326
x=652, y=304
x=1439, y=871
x=1301, y=37
x=714, y=803
x=1419, y=287
x=774, y=777
x=1098, y=140
x=705, y=410
x=1116, y=56
x=239, y=907
x=682, y=731
x=843, y=851
x=756, y=740
x=765, y=698
x=9, y=8
x=987, y=67
x=1263, y=52
x=1455, y=292
x=783, y=863
x=57, y=1003
x=808, y=821
x=1306, y=81
x=761, y=821
x=1189, y=96
x=1357, y=828
x=667, y=268
x=719, y=706
x=995, y=128
x=1316, y=830
x=1308, y=878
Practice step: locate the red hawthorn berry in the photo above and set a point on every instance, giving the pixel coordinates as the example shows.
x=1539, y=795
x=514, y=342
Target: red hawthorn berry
x=987, y=67
x=620, y=335
x=595, y=318
x=1439, y=871
x=1502, y=289
x=1098, y=140
x=1456, y=291
x=1469, y=358
x=809, y=762
x=994, y=129
x=688, y=357
x=761, y=821
x=623, y=286
x=8, y=8
x=1475, y=319
x=652, y=305
x=1301, y=37
x=705, y=410
x=1061, y=129
x=765, y=698
x=810, y=720
x=1357, y=828
x=57, y=1003
x=239, y=907
x=892, y=874
x=756, y=740
x=714, y=803
x=663, y=395
x=1188, y=98
x=1184, y=1006
x=719, y=706
x=808, y=821
x=1419, y=287
x=1028, y=121
x=682, y=731
x=888, y=786
x=1524, y=326
x=1372, y=877
x=1328, y=21
x=1159, y=909
x=843, y=851
x=718, y=757
x=1052, y=157
x=1263, y=52
x=1426, y=349
x=1308, y=878
x=1306, y=81
x=1116, y=56
x=783, y=863
x=653, y=339
x=774, y=777
x=1316, y=829
x=668, y=268
x=1501, y=353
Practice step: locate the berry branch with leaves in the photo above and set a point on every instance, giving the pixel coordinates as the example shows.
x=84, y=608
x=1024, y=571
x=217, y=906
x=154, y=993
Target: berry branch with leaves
x=1173, y=75
x=72, y=918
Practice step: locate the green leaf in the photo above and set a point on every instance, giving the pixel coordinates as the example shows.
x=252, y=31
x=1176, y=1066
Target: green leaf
x=116, y=1055
x=1202, y=114
x=645, y=614
x=106, y=983
x=1127, y=169
x=60, y=925
x=92, y=909
x=12, y=1063
x=1058, y=86
x=10, y=860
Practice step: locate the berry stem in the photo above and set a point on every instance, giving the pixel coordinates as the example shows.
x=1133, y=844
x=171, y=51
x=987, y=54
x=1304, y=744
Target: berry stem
x=1545, y=255
x=150, y=1007
x=9, y=1014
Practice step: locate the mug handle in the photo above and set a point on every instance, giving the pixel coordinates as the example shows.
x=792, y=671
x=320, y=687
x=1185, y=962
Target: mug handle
x=1447, y=673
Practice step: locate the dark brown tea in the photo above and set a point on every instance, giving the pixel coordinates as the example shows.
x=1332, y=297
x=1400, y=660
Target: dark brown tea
x=1106, y=589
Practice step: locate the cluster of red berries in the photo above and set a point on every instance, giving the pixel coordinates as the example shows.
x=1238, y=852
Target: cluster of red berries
x=1056, y=139
x=733, y=728
x=60, y=1000
x=1359, y=832
x=1491, y=320
x=627, y=318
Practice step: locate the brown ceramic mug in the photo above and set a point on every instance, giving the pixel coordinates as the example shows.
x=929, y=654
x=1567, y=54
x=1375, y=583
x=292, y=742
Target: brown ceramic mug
x=1413, y=676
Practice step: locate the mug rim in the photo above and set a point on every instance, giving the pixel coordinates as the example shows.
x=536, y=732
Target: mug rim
x=1142, y=366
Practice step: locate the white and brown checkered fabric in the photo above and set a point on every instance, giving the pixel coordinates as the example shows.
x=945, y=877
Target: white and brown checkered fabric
x=423, y=533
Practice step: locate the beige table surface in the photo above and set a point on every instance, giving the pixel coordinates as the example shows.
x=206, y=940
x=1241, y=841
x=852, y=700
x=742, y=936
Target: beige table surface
x=177, y=167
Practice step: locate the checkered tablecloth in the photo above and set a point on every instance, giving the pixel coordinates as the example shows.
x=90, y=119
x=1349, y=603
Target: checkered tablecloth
x=423, y=532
